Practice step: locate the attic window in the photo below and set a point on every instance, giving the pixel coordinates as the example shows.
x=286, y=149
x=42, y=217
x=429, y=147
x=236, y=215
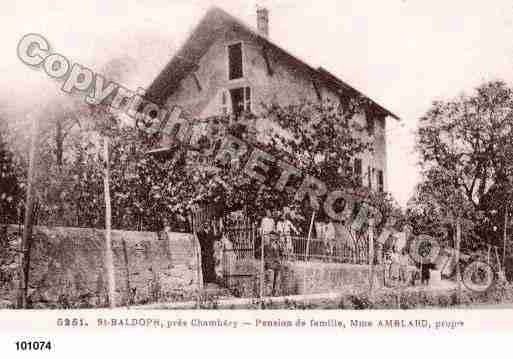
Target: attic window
x=235, y=61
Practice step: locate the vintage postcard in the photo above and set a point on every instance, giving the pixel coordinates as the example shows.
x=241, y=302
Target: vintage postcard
x=200, y=165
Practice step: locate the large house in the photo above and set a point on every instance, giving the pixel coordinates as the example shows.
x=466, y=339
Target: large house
x=226, y=66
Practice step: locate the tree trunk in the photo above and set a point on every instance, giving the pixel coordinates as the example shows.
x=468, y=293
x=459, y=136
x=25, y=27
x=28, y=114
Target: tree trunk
x=59, y=150
x=458, y=248
x=28, y=221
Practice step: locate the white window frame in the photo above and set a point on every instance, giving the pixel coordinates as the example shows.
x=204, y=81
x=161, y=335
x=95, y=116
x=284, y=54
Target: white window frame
x=229, y=105
x=248, y=103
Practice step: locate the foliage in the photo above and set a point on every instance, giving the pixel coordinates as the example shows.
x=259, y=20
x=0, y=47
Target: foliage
x=319, y=139
x=466, y=153
x=10, y=188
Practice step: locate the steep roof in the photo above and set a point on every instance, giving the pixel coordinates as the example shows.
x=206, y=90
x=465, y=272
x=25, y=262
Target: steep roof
x=211, y=27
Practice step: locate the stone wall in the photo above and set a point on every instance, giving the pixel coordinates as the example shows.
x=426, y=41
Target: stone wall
x=67, y=267
x=304, y=278
x=334, y=277
x=67, y=270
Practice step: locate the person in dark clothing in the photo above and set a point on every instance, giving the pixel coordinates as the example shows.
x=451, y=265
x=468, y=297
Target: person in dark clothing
x=273, y=254
x=206, y=240
x=425, y=272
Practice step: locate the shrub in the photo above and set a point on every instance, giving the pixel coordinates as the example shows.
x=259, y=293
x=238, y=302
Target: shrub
x=360, y=302
x=453, y=299
x=443, y=301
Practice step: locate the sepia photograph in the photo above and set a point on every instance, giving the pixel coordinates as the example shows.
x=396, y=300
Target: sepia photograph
x=200, y=155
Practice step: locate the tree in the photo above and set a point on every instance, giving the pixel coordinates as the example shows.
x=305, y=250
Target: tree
x=466, y=153
x=10, y=188
x=318, y=139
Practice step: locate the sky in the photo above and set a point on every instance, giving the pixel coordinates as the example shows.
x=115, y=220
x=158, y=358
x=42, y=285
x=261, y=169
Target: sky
x=403, y=54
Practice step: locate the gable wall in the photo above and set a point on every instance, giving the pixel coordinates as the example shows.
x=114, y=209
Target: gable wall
x=290, y=84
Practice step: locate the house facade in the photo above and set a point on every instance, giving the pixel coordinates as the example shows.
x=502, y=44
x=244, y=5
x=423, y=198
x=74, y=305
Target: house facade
x=227, y=67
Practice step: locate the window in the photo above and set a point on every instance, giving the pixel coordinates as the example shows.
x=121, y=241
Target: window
x=381, y=186
x=358, y=170
x=235, y=61
x=241, y=100
x=369, y=177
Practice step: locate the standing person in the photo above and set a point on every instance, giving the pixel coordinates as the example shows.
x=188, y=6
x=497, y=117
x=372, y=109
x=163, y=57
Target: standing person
x=425, y=273
x=281, y=230
x=403, y=265
x=267, y=226
x=284, y=227
x=329, y=238
x=394, y=266
x=273, y=254
x=387, y=260
x=402, y=238
x=206, y=240
x=316, y=247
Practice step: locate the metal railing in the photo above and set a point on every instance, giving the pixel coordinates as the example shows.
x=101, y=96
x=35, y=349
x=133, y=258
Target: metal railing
x=303, y=249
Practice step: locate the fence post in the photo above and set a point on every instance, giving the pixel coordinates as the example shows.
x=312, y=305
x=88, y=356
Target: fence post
x=197, y=250
x=199, y=270
x=309, y=235
x=253, y=239
x=306, y=256
x=128, y=286
x=497, y=258
x=371, y=255
x=262, y=270
x=458, y=267
x=505, y=236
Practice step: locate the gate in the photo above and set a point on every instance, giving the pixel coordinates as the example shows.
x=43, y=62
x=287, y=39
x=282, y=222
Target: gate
x=239, y=264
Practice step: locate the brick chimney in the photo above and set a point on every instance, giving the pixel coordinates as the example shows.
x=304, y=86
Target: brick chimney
x=263, y=21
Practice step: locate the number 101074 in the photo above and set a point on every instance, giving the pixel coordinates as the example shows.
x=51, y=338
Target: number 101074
x=33, y=345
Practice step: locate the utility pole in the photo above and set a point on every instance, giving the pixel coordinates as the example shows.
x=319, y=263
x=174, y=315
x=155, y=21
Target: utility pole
x=109, y=261
x=458, y=246
x=309, y=236
x=307, y=249
x=371, y=255
x=26, y=239
x=505, y=236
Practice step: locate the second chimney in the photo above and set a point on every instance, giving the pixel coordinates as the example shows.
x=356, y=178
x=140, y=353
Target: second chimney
x=263, y=21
